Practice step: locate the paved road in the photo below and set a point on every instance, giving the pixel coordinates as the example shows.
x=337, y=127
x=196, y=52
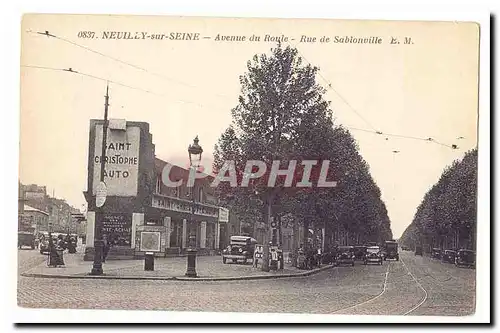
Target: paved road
x=412, y=286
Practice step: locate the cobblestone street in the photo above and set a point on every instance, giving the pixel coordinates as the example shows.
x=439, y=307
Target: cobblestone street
x=431, y=288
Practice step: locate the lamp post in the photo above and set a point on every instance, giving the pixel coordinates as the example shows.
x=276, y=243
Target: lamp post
x=195, y=152
x=98, y=243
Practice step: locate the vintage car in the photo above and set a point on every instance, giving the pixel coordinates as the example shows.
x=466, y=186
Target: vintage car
x=418, y=250
x=373, y=254
x=240, y=248
x=465, y=257
x=391, y=250
x=345, y=255
x=449, y=256
x=436, y=253
x=26, y=238
x=359, y=252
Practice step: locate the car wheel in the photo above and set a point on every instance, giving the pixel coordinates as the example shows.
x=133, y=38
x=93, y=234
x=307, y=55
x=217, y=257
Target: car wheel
x=364, y=262
x=352, y=264
x=223, y=260
x=244, y=261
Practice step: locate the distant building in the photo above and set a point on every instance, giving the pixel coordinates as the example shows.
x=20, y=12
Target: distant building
x=34, y=218
x=58, y=210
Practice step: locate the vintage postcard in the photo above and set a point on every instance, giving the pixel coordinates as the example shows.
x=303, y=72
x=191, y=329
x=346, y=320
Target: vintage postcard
x=256, y=165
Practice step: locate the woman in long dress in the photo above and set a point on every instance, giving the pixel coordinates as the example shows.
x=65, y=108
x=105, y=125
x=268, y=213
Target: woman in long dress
x=53, y=257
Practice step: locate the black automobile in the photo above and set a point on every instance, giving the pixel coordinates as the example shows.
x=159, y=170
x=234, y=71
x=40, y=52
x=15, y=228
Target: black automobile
x=359, y=252
x=436, y=253
x=345, y=255
x=449, y=256
x=465, y=257
x=391, y=250
x=241, y=248
x=373, y=254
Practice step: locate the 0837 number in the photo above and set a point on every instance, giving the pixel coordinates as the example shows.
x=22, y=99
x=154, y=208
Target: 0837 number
x=86, y=34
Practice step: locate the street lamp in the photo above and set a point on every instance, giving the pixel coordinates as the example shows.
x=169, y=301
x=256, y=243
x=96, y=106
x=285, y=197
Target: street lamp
x=195, y=152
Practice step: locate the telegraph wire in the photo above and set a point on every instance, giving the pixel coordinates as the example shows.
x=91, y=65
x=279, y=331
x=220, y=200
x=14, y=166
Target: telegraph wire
x=429, y=139
x=373, y=129
x=48, y=34
x=71, y=70
x=330, y=86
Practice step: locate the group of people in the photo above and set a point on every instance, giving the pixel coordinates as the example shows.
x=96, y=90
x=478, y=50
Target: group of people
x=57, y=246
x=310, y=256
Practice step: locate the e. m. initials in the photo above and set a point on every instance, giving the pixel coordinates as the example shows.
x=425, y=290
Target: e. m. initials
x=406, y=40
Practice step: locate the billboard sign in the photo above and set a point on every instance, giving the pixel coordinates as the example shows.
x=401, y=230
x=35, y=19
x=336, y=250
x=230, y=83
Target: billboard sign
x=223, y=215
x=121, y=172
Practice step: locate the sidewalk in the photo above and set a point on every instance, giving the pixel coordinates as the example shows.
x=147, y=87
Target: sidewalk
x=209, y=268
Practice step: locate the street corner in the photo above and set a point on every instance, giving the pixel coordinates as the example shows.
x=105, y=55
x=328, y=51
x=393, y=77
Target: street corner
x=168, y=270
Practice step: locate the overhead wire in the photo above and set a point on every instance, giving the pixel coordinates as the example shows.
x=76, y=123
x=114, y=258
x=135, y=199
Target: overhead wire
x=71, y=70
x=328, y=83
x=373, y=130
x=123, y=62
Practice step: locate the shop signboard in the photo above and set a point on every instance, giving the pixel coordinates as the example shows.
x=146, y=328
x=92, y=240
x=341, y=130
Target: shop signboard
x=223, y=215
x=121, y=171
x=118, y=228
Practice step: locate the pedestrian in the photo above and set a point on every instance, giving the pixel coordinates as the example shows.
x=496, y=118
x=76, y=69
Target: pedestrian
x=52, y=252
x=105, y=247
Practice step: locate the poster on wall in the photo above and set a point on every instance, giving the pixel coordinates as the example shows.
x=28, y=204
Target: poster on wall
x=118, y=228
x=150, y=241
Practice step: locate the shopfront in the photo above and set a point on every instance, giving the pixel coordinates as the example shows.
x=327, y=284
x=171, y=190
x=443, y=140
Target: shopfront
x=138, y=206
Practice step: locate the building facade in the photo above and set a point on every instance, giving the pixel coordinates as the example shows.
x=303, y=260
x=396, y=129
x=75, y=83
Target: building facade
x=141, y=213
x=36, y=218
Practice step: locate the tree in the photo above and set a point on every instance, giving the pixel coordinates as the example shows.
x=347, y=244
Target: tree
x=448, y=209
x=282, y=115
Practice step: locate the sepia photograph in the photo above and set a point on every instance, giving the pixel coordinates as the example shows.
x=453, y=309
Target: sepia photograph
x=249, y=165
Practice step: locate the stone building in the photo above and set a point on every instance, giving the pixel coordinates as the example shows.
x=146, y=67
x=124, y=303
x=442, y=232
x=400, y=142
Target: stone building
x=140, y=212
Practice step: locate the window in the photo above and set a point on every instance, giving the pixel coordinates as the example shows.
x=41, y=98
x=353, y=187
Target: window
x=158, y=184
x=175, y=192
x=200, y=194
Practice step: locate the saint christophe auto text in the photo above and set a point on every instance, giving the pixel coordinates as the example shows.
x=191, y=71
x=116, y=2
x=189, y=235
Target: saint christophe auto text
x=195, y=36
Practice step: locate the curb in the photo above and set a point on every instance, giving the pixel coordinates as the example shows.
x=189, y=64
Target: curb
x=177, y=278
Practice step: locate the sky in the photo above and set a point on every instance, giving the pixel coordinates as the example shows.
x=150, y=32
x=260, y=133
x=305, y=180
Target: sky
x=428, y=88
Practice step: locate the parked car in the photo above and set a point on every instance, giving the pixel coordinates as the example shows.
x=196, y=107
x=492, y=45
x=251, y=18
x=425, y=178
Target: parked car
x=240, y=248
x=373, y=254
x=436, y=253
x=345, y=255
x=449, y=256
x=465, y=257
x=25, y=238
x=359, y=252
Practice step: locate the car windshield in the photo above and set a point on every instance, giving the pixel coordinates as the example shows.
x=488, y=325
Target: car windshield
x=345, y=249
x=373, y=250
